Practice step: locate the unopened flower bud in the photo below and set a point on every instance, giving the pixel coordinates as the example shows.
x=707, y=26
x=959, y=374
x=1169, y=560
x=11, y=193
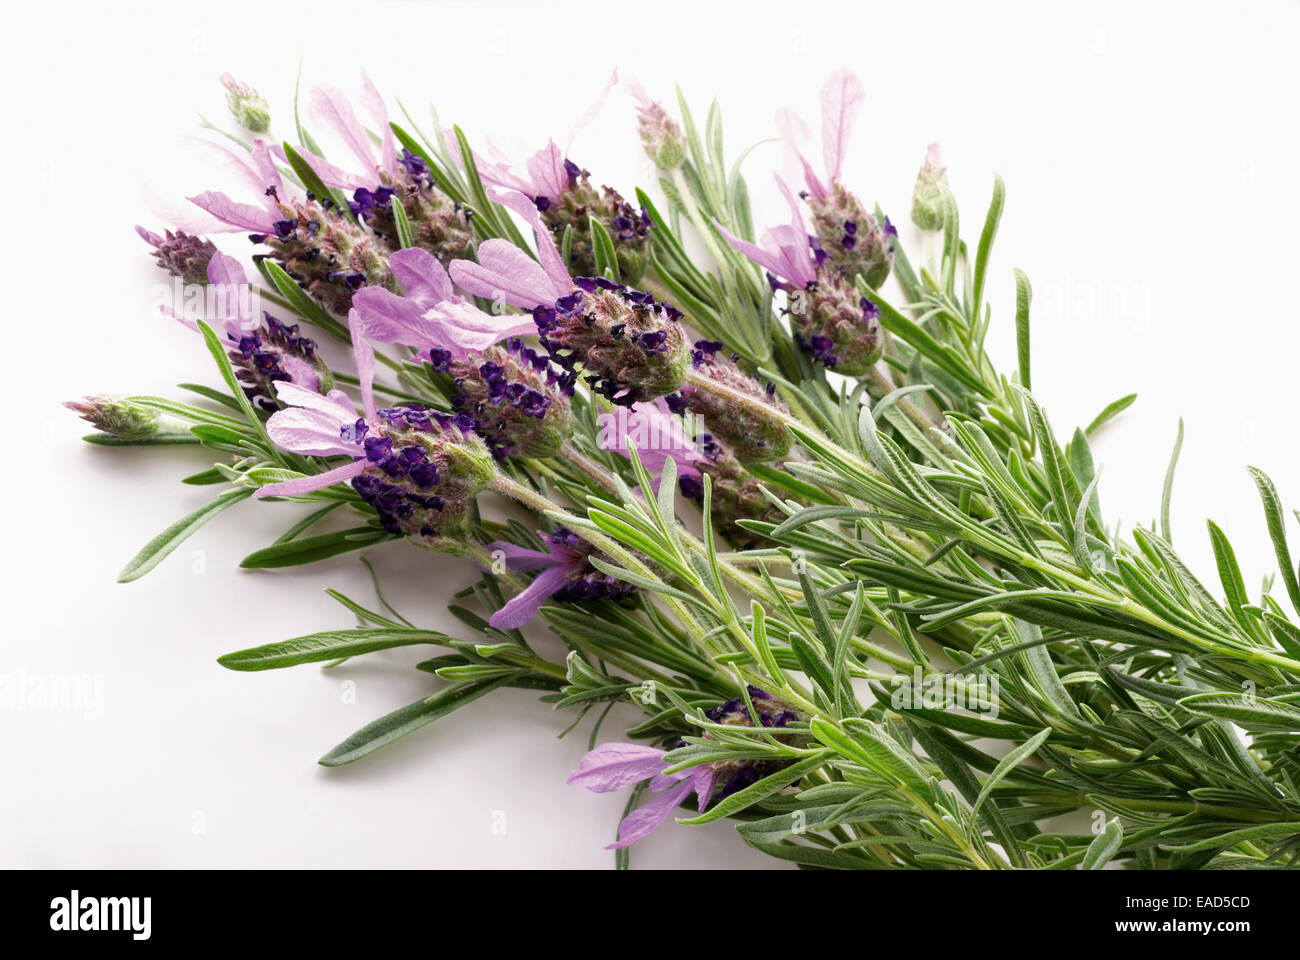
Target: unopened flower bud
x=661, y=136
x=180, y=254
x=751, y=433
x=631, y=348
x=247, y=106
x=518, y=401
x=123, y=419
x=927, y=195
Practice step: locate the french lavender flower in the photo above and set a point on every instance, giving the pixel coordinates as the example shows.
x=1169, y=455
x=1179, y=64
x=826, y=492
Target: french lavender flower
x=441, y=226
x=518, y=401
x=613, y=766
x=927, y=195
x=752, y=434
x=125, y=420
x=849, y=236
x=263, y=355
x=828, y=317
x=247, y=106
x=630, y=347
x=566, y=575
x=328, y=254
x=566, y=200
x=180, y=254
x=419, y=469
x=661, y=135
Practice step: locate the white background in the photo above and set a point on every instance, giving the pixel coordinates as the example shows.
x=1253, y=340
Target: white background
x=1149, y=152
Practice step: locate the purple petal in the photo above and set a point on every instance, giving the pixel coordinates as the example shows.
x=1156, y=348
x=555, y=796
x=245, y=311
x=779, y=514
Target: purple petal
x=148, y=236
x=300, y=372
x=421, y=275
x=310, y=432
x=504, y=272
x=242, y=216
x=615, y=765
x=547, y=252
x=546, y=167
x=521, y=559
x=332, y=107
x=644, y=820
x=526, y=604
x=374, y=104
x=393, y=319
x=764, y=258
x=329, y=174
x=296, y=488
x=365, y=355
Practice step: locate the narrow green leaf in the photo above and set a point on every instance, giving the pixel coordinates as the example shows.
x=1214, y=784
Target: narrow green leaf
x=1104, y=846
x=325, y=646
x=156, y=549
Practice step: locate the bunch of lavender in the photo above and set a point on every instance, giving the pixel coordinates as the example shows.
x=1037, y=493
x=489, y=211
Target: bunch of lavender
x=925, y=642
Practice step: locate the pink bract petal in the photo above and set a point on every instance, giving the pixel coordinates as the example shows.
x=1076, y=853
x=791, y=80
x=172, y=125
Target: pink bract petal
x=842, y=99
x=644, y=820
x=305, y=431
x=329, y=174
x=240, y=216
x=524, y=606
x=393, y=319
x=374, y=104
x=365, y=355
x=547, y=252
x=504, y=272
x=546, y=167
x=421, y=275
x=332, y=108
x=615, y=765
x=296, y=488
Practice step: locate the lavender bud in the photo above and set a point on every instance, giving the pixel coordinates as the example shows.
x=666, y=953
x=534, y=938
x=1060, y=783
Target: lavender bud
x=440, y=225
x=631, y=348
x=518, y=401
x=585, y=582
x=752, y=435
x=734, y=775
x=123, y=419
x=247, y=106
x=661, y=136
x=927, y=195
x=736, y=495
x=181, y=255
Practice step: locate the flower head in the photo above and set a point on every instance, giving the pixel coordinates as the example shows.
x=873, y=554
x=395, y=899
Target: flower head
x=829, y=318
x=180, y=254
x=630, y=347
x=752, y=432
x=613, y=766
x=566, y=574
x=852, y=238
x=247, y=106
x=419, y=469
x=927, y=195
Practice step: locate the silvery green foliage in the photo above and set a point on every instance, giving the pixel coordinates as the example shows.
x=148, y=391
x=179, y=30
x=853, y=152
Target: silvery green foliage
x=969, y=648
